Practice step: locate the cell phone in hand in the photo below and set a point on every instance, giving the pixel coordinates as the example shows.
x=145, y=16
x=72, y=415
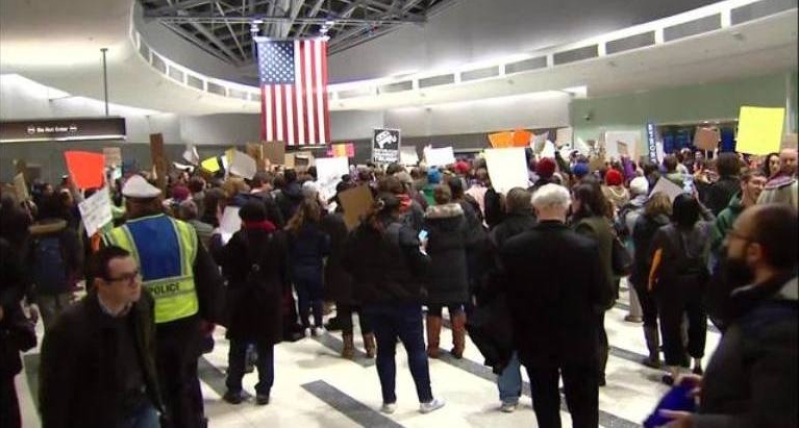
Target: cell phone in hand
x=422, y=235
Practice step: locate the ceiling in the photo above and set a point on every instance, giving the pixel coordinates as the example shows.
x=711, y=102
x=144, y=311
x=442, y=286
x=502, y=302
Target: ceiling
x=72, y=62
x=225, y=28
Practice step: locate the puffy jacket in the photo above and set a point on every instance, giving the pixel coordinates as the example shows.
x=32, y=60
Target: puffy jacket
x=448, y=232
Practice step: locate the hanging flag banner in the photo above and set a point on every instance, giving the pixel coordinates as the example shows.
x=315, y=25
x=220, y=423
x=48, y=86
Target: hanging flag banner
x=86, y=168
x=386, y=145
x=95, y=211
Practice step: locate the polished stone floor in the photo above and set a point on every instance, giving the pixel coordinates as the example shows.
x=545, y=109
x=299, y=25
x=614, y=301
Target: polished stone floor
x=316, y=388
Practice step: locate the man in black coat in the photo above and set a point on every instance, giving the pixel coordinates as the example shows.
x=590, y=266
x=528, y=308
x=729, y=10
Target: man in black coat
x=98, y=359
x=553, y=312
x=751, y=380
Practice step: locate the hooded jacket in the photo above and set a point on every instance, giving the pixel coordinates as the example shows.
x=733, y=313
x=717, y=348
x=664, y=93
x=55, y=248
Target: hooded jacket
x=447, y=241
x=289, y=199
x=751, y=379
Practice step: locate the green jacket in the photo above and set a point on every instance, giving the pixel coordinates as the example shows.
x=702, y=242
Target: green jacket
x=600, y=230
x=724, y=223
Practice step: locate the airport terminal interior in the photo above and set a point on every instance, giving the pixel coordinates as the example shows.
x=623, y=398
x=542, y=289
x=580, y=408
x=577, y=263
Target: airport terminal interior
x=141, y=100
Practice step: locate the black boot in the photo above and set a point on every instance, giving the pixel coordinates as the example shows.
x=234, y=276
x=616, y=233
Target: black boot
x=652, y=336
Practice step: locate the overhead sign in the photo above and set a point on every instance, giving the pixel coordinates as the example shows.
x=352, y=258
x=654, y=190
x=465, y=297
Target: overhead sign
x=105, y=128
x=650, y=143
x=386, y=145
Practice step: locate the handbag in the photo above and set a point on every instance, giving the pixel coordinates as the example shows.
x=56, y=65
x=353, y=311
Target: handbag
x=621, y=260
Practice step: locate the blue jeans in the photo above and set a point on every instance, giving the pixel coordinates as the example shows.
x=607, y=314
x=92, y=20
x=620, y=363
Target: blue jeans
x=309, y=296
x=509, y=381
x=144, y=417
x=403, y=321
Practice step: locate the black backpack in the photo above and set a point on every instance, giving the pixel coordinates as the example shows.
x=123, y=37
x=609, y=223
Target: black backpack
x=690, y=264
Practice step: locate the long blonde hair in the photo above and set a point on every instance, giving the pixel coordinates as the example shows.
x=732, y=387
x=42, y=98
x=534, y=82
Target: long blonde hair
x=309, y=211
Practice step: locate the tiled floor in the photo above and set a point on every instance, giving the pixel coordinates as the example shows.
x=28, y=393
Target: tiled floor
x=316, y=388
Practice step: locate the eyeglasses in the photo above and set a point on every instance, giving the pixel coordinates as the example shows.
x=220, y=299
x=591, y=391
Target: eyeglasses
x=130, y=278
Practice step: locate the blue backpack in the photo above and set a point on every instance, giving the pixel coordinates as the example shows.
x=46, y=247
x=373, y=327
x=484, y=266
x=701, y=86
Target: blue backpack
x=49, y=266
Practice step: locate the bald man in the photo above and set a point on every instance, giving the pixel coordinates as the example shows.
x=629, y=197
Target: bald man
x=751, y=380
x=788, y=162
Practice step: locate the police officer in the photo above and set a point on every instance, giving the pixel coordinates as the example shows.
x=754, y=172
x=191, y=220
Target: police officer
x=185, y=282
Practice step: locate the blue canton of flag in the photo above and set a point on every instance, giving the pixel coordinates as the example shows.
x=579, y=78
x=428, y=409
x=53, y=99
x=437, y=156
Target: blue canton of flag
x=276, y=62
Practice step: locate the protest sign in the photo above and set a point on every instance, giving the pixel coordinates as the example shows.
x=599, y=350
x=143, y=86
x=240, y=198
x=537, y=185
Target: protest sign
x=329, y=172
x=211, y=165
x=409, y=156
x=707, y=138
x=618, y=141
x=501, y=140
x=304, y=159
x=191, y=156
x=564, y=136
x=85, y=168
x=289, y=161
x=539, y=141
x=158, y=157
x=21, y=188
x=113, y=157
x=507, y=168
x=275, y=151
x=183, y=166
x=356, y=203
x=346, y=150
x=549, y=150
x=667, y=187
x=385, y=145
x=230, y=223
x=521, y=138
x=95, y=211
x=242, y=165
x=439, y=157
x=760, y=130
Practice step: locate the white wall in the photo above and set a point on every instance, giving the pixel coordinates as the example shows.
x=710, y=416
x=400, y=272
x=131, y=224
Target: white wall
x=479, y=30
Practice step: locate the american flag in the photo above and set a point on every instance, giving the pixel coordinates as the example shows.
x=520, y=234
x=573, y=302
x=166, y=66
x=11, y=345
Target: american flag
x=294, y=91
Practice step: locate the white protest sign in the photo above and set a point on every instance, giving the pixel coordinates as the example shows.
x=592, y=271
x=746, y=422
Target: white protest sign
x=243, y=165
x=539, y=141
x=95, y=211
x=230, y=223
x=549, y=150
x=628, y=138
x=564, y=136
x=439, y=157
x=668, y=187
x=507, y=168
x=21, y=188
x=191, y=156
x=329, y=172
x=183, y=167
x=409, y=156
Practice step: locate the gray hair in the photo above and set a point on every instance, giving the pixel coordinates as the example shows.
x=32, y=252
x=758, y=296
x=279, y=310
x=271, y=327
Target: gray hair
x=552, y=195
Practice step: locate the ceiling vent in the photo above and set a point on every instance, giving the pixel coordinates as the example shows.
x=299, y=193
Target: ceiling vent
x=574, y=55
x=444, y=79
x=195, y=82
x=235, y=93
x=176, y=74
x=214, y=88
x=355, y=93
x=406, y=85
x=526, y=65
x=630, y=43
x=760, y=9
x=480, y=73
x=159, y=64
x=692, y=28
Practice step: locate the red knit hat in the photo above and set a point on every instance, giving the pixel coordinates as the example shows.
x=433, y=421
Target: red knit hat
x=545, y=168
x=462, y=167
x=614, y=178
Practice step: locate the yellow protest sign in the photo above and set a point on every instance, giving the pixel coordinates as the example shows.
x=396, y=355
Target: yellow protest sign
x=210, y=164
x=760, y=130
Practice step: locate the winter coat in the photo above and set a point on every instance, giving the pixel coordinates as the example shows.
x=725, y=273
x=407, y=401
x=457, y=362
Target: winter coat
x=600, y=230
x=338, y=282
x=411, y=212
x=448, y=278
x=78, y=386
x=643, y=233
x=307, y=251
x=494, y=212
x=386, y=264
x=273, y=211
x=718, y=195
x=71, y=253
x=676, y=271
x=476, y=242
x=553, y=311
x=289, y=199
x=617, y=195
x=255, y=308
x=751, y=379
x=12, y=290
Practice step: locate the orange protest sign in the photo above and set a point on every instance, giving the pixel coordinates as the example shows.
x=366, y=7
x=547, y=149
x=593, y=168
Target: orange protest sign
x=501, y=140
x=85, y=168
x=521, y=138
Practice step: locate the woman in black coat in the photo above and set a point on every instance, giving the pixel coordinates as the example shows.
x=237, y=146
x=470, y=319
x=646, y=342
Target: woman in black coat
x=254, y=263
x=448, y=278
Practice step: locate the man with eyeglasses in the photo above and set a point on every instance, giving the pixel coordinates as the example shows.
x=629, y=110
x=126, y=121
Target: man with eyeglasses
x=98, y=359
x=751, y=380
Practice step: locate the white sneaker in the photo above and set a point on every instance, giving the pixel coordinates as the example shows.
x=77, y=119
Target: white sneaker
x=388, y=408
x=318, y=331
x=508, y=407
x=431, y=406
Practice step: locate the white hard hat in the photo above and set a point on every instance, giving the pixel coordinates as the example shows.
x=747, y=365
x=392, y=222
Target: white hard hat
x=138, y=188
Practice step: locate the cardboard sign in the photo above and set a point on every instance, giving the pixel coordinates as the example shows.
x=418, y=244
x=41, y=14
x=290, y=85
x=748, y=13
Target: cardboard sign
x=304, y=158
x=629, y=139
x=113, y=157
x=230, y=223
x=21, y=188
x=87, y=169
x=386, y=145
x=329, y=172
x=668, y=187
x=95, y=211
x=501, y=140
x=439, y=157
x=760, y=130
x=623, y=149
x=289, y=161
x=356, y=203
x=707, y=138
x=409, y=156
x=158, y=157
x=346, y=150
x=243, y=165
x=507, y=168
x=275, y=152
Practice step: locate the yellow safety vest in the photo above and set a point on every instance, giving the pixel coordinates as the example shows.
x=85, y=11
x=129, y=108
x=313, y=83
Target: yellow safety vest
x=175, y=293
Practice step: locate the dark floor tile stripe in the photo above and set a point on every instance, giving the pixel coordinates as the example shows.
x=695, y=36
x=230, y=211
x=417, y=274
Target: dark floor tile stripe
x=335, y=344
x=626, y=307
x=362, y=414
x=213, y=376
